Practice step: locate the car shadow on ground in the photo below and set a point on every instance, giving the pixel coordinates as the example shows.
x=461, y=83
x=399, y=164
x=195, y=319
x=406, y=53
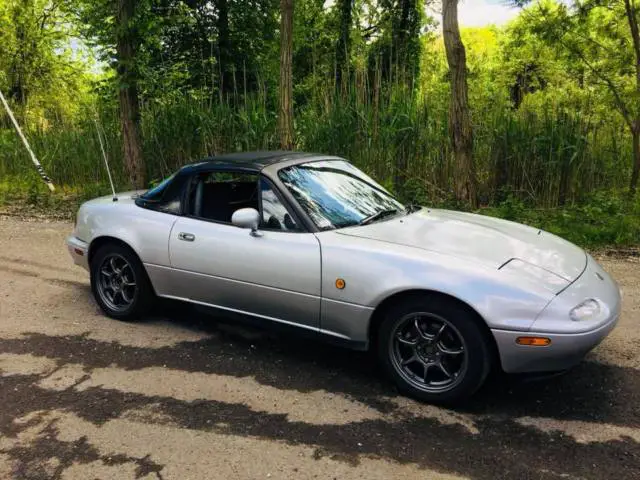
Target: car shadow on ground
x=591, y=391
x=498, y=446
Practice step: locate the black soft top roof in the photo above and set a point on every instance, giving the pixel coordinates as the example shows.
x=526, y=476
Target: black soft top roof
x=247, y=161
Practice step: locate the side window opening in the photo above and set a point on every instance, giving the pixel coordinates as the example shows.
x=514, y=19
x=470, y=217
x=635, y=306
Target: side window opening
x=172, y=197
x=274, y=215
x=217, y=195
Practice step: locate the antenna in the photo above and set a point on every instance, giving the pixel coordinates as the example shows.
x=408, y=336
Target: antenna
x=106, y=161
x=35, y=161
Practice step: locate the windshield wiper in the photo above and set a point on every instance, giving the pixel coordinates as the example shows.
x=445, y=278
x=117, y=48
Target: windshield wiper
x=377, y=216
x=411, y=208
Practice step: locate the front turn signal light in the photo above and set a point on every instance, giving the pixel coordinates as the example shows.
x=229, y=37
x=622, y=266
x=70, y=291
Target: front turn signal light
x=533, y=341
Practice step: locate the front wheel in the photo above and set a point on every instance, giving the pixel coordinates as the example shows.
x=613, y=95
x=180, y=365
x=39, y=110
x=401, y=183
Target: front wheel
x=119, y=283
x=433, y=349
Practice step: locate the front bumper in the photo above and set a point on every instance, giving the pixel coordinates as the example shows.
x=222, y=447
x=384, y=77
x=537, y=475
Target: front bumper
x=570, y=341
x=79, y=251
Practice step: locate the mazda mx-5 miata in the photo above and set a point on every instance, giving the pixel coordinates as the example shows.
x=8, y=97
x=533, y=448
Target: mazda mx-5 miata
x=309, y=241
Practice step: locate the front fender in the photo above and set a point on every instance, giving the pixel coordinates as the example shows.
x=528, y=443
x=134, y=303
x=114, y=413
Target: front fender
x=374, y=271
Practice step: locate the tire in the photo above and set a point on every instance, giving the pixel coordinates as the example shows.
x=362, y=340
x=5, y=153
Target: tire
x=118, y=299
x=416, y=360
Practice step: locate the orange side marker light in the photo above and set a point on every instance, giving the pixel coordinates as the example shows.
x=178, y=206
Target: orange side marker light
x=533, y=341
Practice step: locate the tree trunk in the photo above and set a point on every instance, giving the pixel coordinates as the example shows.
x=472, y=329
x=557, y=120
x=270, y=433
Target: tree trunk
x=460, y=129
x=17, y=91
x=632, y=18
x=406, y=41
x=635, y=173
x=224, y=48
x=126, y=45
x=343, y=48
x=285, y=117
x=402, y=35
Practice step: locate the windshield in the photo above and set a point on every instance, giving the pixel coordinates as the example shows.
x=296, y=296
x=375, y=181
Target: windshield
x=335, y=194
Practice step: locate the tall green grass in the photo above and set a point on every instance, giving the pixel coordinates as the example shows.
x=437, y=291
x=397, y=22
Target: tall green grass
x=544, y=157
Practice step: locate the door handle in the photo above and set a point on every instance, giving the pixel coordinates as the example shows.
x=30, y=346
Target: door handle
x=187, y=237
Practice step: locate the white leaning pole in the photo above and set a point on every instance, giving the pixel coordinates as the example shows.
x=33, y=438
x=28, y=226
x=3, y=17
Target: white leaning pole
x=39, y=168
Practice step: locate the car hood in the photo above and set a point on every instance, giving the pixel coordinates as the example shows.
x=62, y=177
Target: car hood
x=493, y=242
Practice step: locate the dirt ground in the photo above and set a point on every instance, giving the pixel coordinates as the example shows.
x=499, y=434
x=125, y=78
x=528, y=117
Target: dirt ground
x=187, y=395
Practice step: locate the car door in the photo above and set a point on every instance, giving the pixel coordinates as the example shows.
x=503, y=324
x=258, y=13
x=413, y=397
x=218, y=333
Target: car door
x=275, y=275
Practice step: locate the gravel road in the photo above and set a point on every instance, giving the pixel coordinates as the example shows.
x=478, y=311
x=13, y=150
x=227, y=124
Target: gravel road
x=186, y=395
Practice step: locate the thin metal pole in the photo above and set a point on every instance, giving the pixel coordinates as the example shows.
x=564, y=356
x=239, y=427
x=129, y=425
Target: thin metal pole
x=106, y=162
x=39, y=168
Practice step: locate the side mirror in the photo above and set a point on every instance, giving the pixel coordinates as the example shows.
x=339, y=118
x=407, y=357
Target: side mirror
x=247, y=218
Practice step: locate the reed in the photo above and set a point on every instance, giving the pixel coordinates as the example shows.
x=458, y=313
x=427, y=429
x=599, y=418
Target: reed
x=544, y=157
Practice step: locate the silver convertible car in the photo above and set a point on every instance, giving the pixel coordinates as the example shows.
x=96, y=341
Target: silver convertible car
x=310, y=241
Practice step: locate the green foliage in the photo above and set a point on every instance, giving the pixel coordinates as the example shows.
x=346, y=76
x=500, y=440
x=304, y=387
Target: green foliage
x=593, y=40
x=189, y=46
x=605, y=218
x=538, y=153
x=551, y=146
x=42, y=72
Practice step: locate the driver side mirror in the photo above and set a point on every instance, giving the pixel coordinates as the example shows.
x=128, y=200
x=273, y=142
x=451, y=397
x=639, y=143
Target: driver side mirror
x=247, y=218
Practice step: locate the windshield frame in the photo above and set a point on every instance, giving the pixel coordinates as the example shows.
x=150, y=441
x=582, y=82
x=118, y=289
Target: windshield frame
x=274, y=174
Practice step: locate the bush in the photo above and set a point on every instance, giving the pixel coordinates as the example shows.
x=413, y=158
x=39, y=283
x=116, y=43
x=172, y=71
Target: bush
x=605, y=218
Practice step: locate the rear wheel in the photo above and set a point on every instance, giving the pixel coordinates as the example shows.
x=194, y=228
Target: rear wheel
x=119, y=283
x=433, y=349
